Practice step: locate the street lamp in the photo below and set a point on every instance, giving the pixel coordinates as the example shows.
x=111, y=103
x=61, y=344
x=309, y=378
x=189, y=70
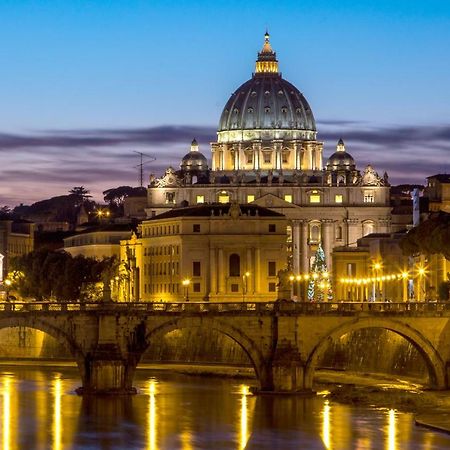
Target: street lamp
x=291, y=279
x=299, y=294
x=244, y=285
x=421, y=271
x=186, y=282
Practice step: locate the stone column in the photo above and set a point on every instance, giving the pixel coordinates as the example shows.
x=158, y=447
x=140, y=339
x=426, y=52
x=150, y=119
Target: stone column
x=249, y=268
x=258, y=274
x=352, y=233
x=327, y=228
x=221, y=271
x=257, y=155
x=304, y=262
x=296, y=244
x=277, y=151
x=212, y=271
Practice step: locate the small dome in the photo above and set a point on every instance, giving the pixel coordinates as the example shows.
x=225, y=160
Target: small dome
x=340, y=159
x=194, y=161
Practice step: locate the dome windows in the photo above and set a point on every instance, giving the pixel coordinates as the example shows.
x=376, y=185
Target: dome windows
x=280, y=92
x=267, y=93
x=298, y=110
x=284, y=109
x=235, y=111
x=267, y=109
x=250, y=110
x=253, y=94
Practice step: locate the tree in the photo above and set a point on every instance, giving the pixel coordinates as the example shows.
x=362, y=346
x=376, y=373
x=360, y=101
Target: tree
x=319, y=288
x=430, y=237
x=48, y=274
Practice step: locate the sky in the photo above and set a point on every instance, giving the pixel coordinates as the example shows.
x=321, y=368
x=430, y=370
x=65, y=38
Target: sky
x=85, y=84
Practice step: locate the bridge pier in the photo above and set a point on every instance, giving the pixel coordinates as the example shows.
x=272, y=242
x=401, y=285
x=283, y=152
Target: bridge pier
x=106, y=372
x=288, y=372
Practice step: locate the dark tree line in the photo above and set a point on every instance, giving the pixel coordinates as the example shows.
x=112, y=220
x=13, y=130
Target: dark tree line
x=50, y=274
x=431, y=237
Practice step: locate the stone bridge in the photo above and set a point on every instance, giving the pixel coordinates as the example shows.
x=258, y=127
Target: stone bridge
x=283, y=340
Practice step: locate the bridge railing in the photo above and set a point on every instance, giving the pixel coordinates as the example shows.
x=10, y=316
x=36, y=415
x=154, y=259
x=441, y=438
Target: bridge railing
x=282, y=307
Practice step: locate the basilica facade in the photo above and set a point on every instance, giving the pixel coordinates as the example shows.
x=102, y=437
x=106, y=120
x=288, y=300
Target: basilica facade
x=267, y=153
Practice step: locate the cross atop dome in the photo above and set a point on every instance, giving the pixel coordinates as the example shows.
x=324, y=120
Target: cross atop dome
x=267, y=59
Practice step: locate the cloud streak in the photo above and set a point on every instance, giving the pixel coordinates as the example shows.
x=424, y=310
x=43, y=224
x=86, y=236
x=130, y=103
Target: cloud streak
x=42, y=164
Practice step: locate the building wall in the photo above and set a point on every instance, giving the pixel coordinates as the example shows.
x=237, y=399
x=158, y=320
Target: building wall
x=199, y=249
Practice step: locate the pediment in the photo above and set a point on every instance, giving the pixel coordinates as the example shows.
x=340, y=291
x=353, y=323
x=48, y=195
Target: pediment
x=272, y=201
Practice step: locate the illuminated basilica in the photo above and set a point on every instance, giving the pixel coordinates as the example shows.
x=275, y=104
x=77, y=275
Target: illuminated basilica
x=267, y=153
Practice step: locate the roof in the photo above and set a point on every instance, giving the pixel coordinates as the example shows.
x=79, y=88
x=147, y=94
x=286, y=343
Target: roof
x=216, y=209
x=441, y=177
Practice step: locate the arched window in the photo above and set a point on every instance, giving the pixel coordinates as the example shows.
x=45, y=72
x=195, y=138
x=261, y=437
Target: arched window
x=339, y=232
x=314, y=233
x=235, y=265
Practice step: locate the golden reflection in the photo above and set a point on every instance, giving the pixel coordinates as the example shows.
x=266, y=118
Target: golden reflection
x=243, y=429
x=57, y=423
x=326, y=427
x=186, y=440
x=152, y=437
x=6, y=422
x=391, y=441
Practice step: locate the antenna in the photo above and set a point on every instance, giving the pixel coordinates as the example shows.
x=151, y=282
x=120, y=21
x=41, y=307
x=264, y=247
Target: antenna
x=141, y=166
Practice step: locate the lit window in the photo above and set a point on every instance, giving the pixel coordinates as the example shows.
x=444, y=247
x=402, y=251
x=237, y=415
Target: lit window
x=224, y=197
x=249, y=157
x=267, y=157
x=285, y=157
x=288, y=198
x=338, y=198
x=369, y=197
x=200, y=199
x=314, y=198
x=250, y=198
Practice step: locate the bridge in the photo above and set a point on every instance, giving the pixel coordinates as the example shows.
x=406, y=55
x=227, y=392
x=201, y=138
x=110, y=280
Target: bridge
x=283, y=340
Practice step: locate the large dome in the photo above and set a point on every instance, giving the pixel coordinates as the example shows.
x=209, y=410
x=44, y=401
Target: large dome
x=267, y=101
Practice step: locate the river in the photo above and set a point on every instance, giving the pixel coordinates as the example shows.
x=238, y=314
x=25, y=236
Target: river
x=39, y=410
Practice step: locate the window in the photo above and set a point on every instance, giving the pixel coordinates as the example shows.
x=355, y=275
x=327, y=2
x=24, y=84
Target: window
x=368, y=228
x=196, y=287
x=351, y=269
x=200, y=199
x=288, y=198
x=196, y=268
x=339, y=233
x=267, y=157
x=314, y=233
x=369, y=197
x=170, y=197
x=234, y=288
x=249, y=157
x=272, y=228
x=272, y=269
x=196, y=228
x=235, y=265
x=314, y=198
x=272, y=287
x=338, y=198
x=250, y=198
x=285, y=157
x=224, y=197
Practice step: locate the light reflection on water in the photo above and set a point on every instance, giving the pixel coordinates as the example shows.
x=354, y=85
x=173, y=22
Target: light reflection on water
x=40, y=410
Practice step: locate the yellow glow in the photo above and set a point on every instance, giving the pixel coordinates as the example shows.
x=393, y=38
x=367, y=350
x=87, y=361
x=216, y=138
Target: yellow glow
x=338, y=198
x=200, y=199
x=421, y=271
x=246, y=274
x=325, y=274
x=405, y=274
x=8, y=282
x=377, y=266
x=186, y=282
x=224, y=197
x=250, y=198
x=152, y=443
x=306, y=277
x=298, y=277
x=288, y=198
x=315, y=276
x=314, y=198
x=391, y=441
x=57, y=423
x=291, y=277
x=266, y=67
x=186, y=440
x=326, y=428
x=243, y=430
x=6, y=422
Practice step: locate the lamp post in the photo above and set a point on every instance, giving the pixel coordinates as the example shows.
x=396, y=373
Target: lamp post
x=376, y=267
x=421, y=287
x=299, y=294
x=186, y=282
x=291, y=279
x=244, y=285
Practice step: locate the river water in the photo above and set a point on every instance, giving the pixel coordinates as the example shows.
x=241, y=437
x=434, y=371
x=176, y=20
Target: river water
x=39, y=410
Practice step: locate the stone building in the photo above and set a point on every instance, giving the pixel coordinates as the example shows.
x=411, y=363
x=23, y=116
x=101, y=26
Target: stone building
x=219, y=252
x=268, y=153
x=16, y=239
x=438, y=192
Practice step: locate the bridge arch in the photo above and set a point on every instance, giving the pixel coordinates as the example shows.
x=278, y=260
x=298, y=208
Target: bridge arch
x=432, y=358
x=262, y=371
x=51, y=330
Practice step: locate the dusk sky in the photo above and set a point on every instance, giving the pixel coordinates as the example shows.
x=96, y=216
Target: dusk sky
x=86, y=83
